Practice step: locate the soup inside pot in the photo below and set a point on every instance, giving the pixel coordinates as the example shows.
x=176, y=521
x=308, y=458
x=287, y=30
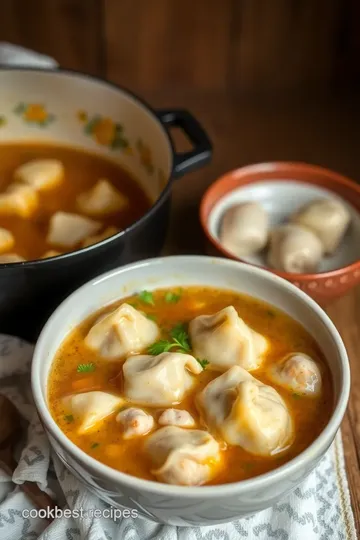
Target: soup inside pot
x=190, y=386
x=56, y=199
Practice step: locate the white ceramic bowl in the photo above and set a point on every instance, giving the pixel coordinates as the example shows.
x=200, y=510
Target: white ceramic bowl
x=178, y=505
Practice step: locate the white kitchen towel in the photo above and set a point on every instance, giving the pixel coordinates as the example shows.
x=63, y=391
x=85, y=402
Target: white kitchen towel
x=317, y=510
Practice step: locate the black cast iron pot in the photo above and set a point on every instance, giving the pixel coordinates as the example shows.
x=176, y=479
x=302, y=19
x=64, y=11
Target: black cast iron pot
x=81, y=111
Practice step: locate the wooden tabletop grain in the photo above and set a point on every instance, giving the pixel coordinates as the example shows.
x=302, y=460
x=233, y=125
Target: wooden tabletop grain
x=202, y=65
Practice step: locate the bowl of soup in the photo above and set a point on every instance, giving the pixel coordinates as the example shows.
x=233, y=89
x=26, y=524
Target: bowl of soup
x=86, y=170
x=195, y=390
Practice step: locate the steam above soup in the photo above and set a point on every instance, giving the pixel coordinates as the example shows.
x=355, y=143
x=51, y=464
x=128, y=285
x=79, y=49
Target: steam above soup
x=55, y=199
x=190, y=386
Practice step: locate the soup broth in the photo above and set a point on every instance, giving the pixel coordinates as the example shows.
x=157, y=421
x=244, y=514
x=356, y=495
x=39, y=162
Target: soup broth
x=81, y=172
x=78, y=369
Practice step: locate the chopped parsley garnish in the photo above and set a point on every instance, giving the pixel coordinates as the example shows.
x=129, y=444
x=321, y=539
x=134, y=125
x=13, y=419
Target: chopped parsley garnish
x=86, y=368
x=133, y=304
x=296, y=396
x=151, y=316
x=94, y=445
x=172, y=298
x=203, y=363
x=179, y=341
x=69, y=417
x=147, y=297
x=270, y=313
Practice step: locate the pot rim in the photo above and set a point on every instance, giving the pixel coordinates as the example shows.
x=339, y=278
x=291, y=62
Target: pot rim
x=153, y=208
x=314, y=451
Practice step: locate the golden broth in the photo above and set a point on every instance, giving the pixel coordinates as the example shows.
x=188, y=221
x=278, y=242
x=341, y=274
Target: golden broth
x=82, y=170
x=106, y=444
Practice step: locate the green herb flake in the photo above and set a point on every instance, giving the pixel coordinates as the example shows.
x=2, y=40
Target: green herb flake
x=147, y=297
x=180, y=337
x=172, y=298
x=203, y=363
x=163, y=345
x=151, y=316
x=86, y=368
x=69, y=418
x=296, y=396
x=133, y=304
x=94, y=445
x=270, y=313
x=247, y=466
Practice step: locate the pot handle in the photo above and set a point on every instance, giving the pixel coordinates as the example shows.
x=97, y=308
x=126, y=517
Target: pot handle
x=185, y=162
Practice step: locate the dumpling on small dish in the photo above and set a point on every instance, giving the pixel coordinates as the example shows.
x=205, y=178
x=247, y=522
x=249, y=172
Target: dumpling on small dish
x=135, y=422
x=121, y=332
x=299, y=373
x=68, y=230
x=294, y=249
x=7, y=258
x=176, y=417
x=19, y=200
x=7, y=240
x=225, y=340
x=109, y=231
x=327, y=218
x=102, y=199
x=179, y=456
x=90, y=408
x=161, y=380
x=246, y=412
x=244, y=229
x=41, y=174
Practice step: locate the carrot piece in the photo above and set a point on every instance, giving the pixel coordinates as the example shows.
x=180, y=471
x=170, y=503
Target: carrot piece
x=87, y=383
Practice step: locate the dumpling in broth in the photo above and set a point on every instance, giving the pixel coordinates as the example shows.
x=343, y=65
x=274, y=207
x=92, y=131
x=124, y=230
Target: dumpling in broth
x=176, y=417
x=244, y=228
x=224, y=340
x=68, y=230
x=160, y=380
x=327, y=218
x=246, y=412
x=101, y=200
x=180, y=456
x=298, y=373
x=120, y=332
x=294, y=249
x=91, y=408
x=19, y=200
x=7, y=240
x=41, y=174
x=135, y=422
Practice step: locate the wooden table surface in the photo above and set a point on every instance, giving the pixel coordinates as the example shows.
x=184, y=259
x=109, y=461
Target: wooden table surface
x=323, y=130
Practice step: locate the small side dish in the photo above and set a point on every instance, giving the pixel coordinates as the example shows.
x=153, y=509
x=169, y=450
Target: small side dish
x=190, y=386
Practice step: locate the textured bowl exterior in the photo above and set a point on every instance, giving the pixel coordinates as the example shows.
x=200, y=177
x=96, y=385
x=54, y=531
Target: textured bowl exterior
x=178, y=505
x=323, y=287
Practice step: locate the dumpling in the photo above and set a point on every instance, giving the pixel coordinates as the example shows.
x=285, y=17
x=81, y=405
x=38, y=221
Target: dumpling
x=135, y=422
x=68, y=230
x=91, y=408
x=297, y=372
x=7, y=240
x=19, y=200
x=176, y=417
x=160, y=380
x=224, y=340
x=180, y=456
x=109, y=231
x=50, y=253
x=294, y=249
x=41, y=174
x=246, y=412
x=121, y=332
x=327, y=218
x=102, y=199
x=10, y=258
x=244, y=229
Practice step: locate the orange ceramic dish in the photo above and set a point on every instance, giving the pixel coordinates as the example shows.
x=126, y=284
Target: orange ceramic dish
x=323, y=286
